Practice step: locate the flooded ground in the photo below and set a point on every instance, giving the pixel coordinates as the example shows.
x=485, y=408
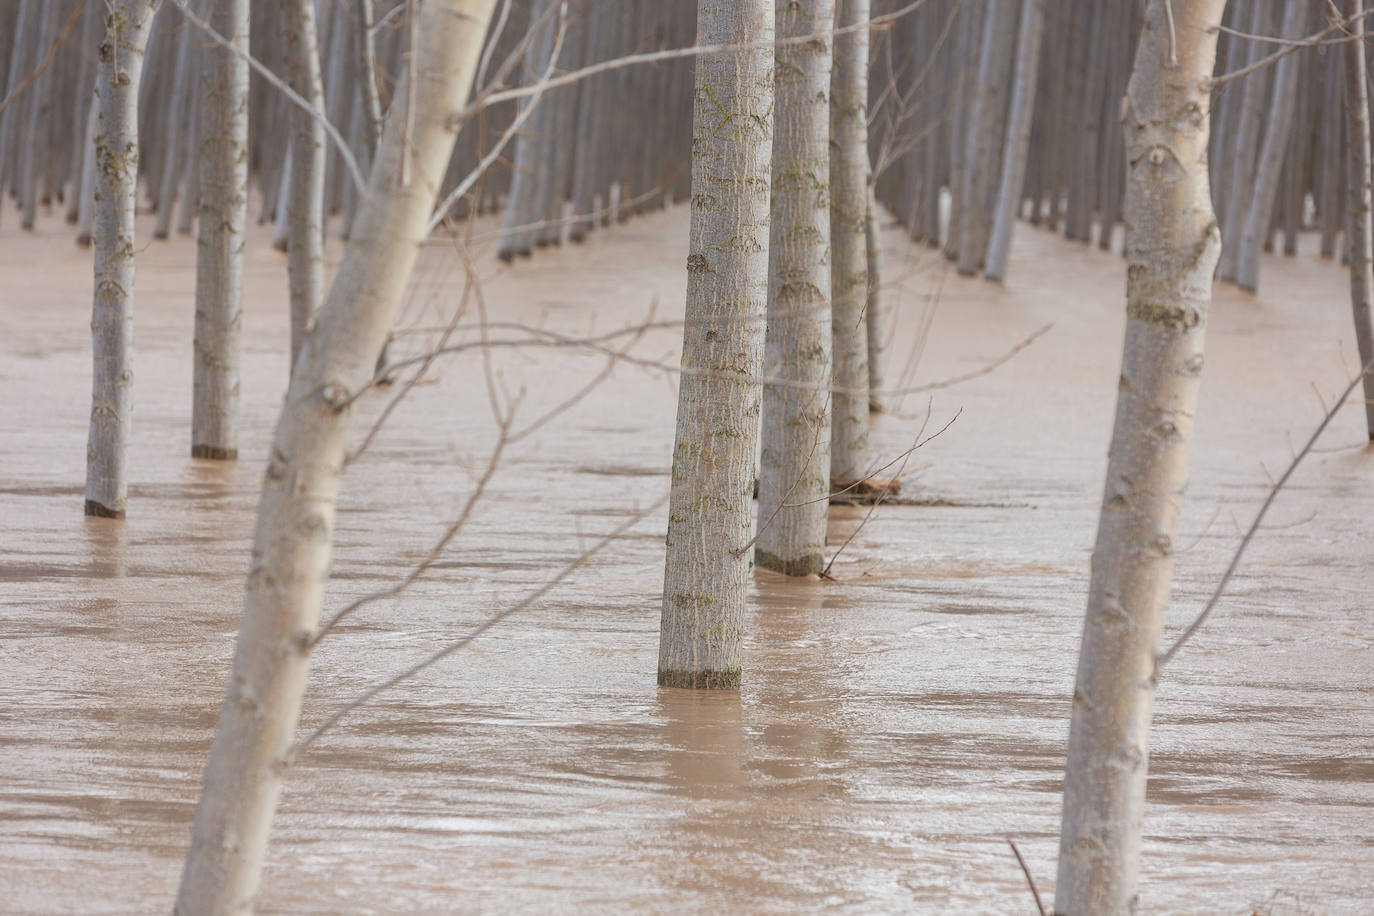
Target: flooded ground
x=896, y=725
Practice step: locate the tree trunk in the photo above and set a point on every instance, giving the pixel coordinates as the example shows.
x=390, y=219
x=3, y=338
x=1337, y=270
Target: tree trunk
x=1276, y=142
x=873, y=304
x=1236, y=195
x=1361, y=224
x=849, y=249
x=1172, y=247
x=794, y=465
x=293, y=537
x=177, y=143
x=722, y=353
x=112, y=320
x=223, y=155
x=305, y=208
x=987, y=122
x=36, y=106
x=1018, y=138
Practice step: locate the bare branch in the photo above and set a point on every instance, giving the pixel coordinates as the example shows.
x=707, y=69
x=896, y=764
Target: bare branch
x=347, y=154
x=486, y=625
x=1293, y=45
x=1278, y=485
x=1039, y=904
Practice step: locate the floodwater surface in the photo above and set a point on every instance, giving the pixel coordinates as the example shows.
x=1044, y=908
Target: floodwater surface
x=896, y=725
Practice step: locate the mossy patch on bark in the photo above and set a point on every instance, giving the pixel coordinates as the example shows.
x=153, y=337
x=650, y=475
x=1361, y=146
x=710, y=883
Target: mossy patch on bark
x=727, y=679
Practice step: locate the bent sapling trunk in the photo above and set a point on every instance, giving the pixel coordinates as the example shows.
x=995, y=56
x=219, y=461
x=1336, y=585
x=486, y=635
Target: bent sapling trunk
x=294, y=533
x=1172, y=248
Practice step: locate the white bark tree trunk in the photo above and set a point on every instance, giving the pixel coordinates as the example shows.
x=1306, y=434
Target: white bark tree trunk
x=727, y=298
x=305, y=206
x=294, y=533
x=1172, y=246
x=848, y=244
x=223, y=158
x=112, y=321
x=794, y=465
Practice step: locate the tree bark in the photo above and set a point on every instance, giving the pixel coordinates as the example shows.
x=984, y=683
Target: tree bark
x=305, y=207
x=707, y=564
x=1018, y=138
x=1361, y=223
x=112, y=321
x=849, y=248
x=1172, y=246
x=293, y=537
x=794, y=464
x=223, y=155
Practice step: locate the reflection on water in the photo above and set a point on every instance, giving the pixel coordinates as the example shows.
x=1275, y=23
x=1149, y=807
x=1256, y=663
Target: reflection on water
x=895, y=725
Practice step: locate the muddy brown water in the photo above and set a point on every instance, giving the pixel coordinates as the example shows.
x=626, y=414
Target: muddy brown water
x=895, y=725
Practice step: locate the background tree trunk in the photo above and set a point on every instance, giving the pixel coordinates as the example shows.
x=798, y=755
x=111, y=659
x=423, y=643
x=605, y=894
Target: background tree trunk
x=223, y=157
x=848, y=244
x=722, y=353
x=794, y=464
x=305, y=209
x=1277, y=136
x=1361, y=223
x=1172, y=247
x=1018, y=139
x=112, y=321
x=293, y=537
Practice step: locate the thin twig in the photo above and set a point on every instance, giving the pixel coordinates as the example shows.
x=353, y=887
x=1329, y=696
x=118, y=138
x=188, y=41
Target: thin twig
x=881, y=498
x=1039, y=904
x=650, y=57
x=1295, y=45
x=502, y=440
x=486, y=625
x=1164, y=659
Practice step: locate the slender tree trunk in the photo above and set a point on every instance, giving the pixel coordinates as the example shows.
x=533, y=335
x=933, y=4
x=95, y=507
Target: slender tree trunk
x=112, y=322
x=718, y=402
x=85, y=216
x=874, y=316
x=223, y=156
x=305, y=209
x=849, y=248
x=520, y=203
x=1361, y=224
x=794, y=465
x=1247, y=141
x=176, y=143
x=1277, y=134
x=987, y=123
x=293, y=537
x=1172, y=246
x=36, y=108
x=366, y=45
x=1018, y=138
